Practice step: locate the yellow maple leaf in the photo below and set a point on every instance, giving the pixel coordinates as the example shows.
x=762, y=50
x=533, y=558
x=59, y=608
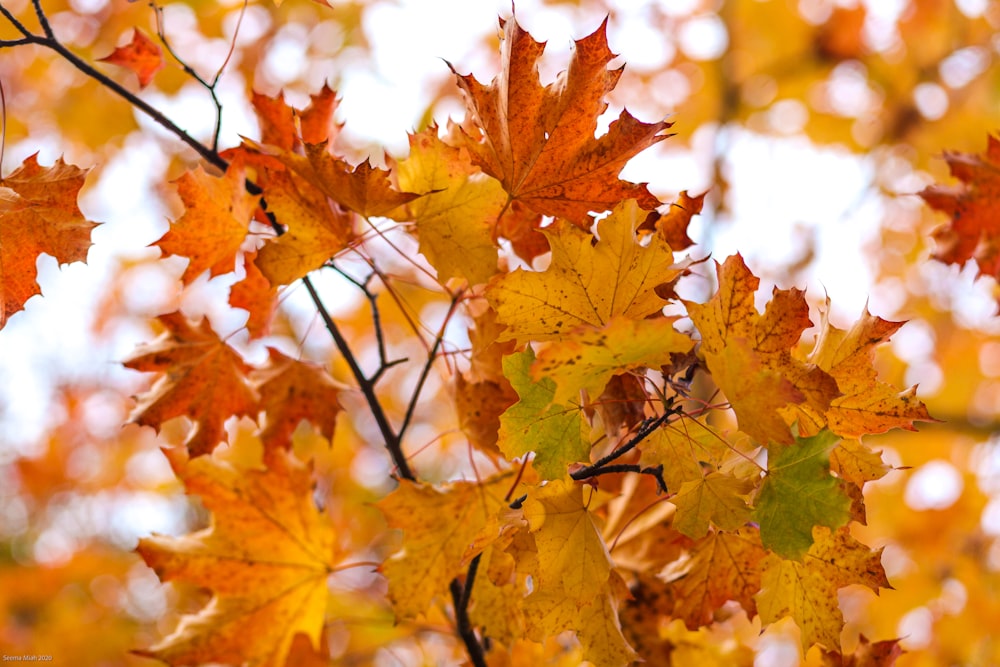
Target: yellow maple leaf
x=438, y=525
x=456, y=221
x=716, y=498
x=586, y=358
x=587, y=283
x=807, y=590
x=595, y=623
x=316, y=231
x=573, y=559
x=857, y=463
x=266, y=557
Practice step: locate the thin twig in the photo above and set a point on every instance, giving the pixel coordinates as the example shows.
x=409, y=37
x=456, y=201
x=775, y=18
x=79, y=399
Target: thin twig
x=425, y=371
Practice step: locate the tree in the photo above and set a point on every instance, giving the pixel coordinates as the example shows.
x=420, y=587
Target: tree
x=529, y=435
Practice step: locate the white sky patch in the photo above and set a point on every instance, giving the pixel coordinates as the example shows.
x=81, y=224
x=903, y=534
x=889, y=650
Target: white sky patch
x=936, y=485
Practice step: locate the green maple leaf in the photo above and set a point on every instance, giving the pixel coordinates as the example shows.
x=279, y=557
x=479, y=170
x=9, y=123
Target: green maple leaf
x=798, y=493
x=535, y=424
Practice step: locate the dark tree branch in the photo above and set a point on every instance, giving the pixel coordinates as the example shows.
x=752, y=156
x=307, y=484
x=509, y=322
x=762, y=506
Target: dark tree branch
x=462, y=623
x=647, y=427
x=655, y=471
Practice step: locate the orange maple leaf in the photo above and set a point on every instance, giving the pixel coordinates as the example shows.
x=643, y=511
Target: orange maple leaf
x=201, y=378
x=257, y=296
x=142, y=55
x=266, y=557
x=974, y=208
x=38, y=214
x=215, y=221
x=288, y=128
x=749, y=356
x=364, y=189
x=316, y=229
x=723, y=566
x=539, y=142
x=292, y=391
x=867, y=405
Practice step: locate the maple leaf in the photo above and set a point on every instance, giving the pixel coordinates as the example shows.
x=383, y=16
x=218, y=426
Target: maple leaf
x=215, y=221
x=798, y=493
x=316, y=231
x=363, y=189
x=292, y=391
x=201, y=378
x=853, y=461
x=807, y=590
x=723, y=566
x=974, y=208
x=716, y=498
x=586, y=283
x=595, y=624
x=673, y=224
x=496, y=609
x=257, y=296
x=142, y=55
x=556, y=433
x=750, y=358
x=455, y=221
x=438, y=525
x=539, y=142
x=573, y=559
x=586, y=358
x=266, y=557
x=867, y=405
x=288, y=128
x=38, y=214
x=479, y=406
x=681, y=448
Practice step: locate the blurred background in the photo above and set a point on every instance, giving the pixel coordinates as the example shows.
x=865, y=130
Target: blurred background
x=811, y=124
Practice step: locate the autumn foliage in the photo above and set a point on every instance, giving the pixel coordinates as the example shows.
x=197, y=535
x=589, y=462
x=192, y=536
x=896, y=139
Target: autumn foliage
x=577, y=457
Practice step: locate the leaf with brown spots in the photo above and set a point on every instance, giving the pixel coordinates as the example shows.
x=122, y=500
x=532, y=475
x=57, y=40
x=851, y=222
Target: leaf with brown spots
x=867, y=405
x=587, y=283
